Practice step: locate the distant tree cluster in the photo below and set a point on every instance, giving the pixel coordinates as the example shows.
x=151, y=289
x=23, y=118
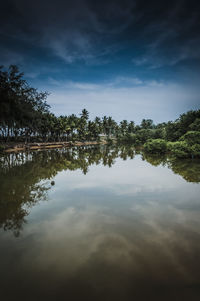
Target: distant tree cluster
x=180, y=138
x=25, y=117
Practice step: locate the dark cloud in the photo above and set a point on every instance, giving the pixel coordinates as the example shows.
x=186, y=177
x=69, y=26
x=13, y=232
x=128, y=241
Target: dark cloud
x=173, y=37
x=71, y=29
x=106, y=55
x=89, y=31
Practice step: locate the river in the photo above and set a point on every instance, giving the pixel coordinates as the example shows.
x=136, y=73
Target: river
x=99, y=223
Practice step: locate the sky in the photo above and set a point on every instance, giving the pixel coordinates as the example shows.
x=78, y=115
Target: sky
x=126, y=59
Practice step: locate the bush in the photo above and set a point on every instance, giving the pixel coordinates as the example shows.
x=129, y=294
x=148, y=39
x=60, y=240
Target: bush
x=191, y=137
x=179, y=149
x=195, y=150
x=155, y=146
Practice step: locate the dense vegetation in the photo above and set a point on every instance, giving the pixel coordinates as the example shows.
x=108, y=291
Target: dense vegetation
x=25, y=117
x=180, y=138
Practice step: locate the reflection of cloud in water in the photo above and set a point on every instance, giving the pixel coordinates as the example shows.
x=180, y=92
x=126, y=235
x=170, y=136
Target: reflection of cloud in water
x=131, y=177
x=93, y=252
x=151, y=248
x=122, y=233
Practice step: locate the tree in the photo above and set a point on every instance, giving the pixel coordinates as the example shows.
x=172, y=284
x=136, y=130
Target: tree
x=85, y=114
x=131, y=127
x=124, y=127
x=195, y=126
x=21, y=105
x=146, y=124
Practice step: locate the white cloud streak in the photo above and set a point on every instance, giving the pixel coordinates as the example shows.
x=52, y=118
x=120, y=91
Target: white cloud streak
x=151, y=99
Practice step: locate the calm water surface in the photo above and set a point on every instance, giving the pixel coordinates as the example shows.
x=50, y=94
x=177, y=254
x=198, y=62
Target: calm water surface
x=99, y=223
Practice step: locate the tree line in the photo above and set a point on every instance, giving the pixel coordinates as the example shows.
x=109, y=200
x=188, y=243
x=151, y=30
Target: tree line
x=25, y=117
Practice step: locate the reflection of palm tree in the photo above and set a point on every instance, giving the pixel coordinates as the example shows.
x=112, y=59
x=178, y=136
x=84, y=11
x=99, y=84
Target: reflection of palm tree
x=124, y=127
x=21, y=175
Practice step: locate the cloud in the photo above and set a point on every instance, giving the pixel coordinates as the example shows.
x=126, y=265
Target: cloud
x=158, y=56
x=125, y=80
x=159, y=101
x=72, y=30
x=115, y=83
x=89, y=32
x=75, y=237
x=119, y=81
x=10, y=57
x=171, y=37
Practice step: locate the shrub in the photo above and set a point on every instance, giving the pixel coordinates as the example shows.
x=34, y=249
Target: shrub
x=179, y=149
x=155, y=146
x=191, y=137
x=195, y=150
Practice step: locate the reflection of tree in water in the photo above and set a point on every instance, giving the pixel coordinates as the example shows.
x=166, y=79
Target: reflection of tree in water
x=188, y=169
x=25, y=178
x=20, y=188
x=155, y=160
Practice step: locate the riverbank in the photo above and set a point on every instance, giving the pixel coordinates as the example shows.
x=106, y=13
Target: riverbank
x=16, y=147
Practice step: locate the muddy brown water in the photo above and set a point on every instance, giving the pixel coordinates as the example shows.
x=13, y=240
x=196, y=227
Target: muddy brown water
x=99, y=223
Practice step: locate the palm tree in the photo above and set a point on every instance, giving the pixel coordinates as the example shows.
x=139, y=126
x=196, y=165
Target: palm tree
x=131, y=127
x=124, y=127
x=85, y=114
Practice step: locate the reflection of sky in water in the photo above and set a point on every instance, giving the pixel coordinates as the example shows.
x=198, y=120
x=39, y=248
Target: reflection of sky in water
x=130, y=230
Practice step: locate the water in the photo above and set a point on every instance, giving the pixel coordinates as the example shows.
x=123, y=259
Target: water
x=99, y=223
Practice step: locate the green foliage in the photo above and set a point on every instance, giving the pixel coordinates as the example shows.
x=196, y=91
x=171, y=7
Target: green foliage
x=21, y=105
x=195, y=150
x=158, y=133
x=143, y=135
x=186, y=119
x=85, y=114
x=191, y=137
x=155, y=146
x=128, y=138
x=179, y=149
x=195, y=126
x=147, y=124
x=174, y=130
